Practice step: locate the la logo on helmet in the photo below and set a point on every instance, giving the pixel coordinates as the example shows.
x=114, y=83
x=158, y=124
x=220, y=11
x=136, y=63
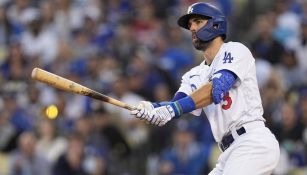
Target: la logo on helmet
x=190, y=10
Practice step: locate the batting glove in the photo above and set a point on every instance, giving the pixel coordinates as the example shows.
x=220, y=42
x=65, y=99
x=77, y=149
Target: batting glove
x=146, y=104
x=142, y=111
x=161, y=115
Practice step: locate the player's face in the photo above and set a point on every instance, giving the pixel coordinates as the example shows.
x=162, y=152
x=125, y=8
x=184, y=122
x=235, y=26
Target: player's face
x=196, y=23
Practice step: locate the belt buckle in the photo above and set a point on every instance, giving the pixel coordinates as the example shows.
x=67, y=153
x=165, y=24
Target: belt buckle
x=227, y=140
x=222, y=147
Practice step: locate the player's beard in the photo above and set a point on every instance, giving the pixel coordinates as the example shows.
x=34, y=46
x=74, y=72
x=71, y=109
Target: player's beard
x=198, y=43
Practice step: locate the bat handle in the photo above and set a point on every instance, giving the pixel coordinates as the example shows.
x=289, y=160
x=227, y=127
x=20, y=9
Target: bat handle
x=105, y=98
x=121, y=104
x=130, y=108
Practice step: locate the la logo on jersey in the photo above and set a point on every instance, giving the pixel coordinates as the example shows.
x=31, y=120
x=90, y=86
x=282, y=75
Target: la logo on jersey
x=227, y=58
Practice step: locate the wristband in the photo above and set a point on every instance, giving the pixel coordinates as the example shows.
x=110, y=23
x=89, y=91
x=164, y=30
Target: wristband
x=159, y=104
x=182, y=106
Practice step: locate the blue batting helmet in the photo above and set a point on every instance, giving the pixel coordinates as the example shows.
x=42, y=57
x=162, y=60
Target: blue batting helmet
x=216, y=25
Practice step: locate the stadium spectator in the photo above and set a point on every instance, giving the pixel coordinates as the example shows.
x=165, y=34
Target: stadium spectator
x=185, y=156
x=72, y=161
x=49, y=144
x=25, y=160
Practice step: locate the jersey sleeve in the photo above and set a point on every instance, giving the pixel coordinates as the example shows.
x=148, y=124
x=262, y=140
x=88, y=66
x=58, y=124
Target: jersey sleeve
x=237, y=58
x=185, y=85
x=188, y=85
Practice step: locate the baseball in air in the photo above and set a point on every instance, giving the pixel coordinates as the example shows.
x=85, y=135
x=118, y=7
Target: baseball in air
x=51, y=112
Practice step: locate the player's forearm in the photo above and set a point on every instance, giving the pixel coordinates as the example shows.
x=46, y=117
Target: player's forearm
x=163, y=112
x=198, y=99
x=202, y=97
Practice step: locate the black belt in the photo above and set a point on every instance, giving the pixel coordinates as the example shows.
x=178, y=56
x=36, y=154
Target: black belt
x=228, y=139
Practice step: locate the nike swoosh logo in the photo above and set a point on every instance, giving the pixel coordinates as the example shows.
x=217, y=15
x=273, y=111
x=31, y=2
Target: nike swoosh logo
x=191, y=76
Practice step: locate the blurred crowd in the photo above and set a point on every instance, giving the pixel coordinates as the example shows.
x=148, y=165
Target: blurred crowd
x=133, y=50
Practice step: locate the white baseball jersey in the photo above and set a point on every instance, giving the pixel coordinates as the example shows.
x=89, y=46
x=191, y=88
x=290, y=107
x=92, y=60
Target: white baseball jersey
x=243, y=103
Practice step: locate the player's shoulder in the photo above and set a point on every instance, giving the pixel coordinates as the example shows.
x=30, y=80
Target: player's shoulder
x=197, y=70
x=237, y=49
x=235, y=46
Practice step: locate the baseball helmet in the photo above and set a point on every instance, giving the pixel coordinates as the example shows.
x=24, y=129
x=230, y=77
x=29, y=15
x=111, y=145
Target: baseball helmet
x=216, y=26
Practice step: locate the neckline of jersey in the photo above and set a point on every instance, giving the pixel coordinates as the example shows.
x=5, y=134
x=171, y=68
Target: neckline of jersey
x=217, y=55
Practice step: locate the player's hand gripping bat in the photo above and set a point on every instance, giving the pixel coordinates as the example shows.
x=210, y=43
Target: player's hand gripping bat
x=70, y=86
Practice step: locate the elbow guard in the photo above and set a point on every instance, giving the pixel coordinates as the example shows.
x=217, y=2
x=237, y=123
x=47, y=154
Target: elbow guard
x=222, y=81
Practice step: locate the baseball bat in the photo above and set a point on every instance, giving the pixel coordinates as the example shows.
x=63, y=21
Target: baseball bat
x=71, y=86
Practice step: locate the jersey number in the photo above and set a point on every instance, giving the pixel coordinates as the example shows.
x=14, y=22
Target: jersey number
x=228, y=101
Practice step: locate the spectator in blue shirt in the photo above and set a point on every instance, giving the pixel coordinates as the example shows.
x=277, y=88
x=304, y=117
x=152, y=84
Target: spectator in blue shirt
x=186, y=156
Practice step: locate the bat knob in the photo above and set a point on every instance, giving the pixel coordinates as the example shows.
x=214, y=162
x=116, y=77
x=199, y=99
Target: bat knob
x=34, y=73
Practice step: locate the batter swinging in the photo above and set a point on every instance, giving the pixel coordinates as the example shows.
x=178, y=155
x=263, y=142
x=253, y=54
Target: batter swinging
x=225, y=87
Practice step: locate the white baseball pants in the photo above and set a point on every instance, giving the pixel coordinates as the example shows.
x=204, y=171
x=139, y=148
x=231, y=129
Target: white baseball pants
x=254, y=153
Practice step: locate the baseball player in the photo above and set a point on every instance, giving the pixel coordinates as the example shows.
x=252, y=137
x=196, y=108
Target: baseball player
x=225, y=87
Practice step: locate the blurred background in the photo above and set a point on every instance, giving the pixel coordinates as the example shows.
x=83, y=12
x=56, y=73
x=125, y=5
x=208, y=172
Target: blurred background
x=133, y=50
